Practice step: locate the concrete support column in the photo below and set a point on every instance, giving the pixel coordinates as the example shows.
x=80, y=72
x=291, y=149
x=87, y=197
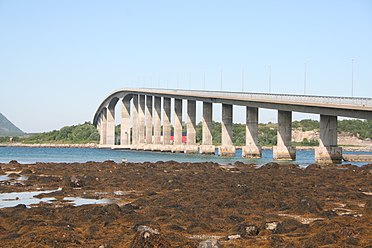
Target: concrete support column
x=166, y=120
x=103, y=133
x=125, y=122
x=227, y=148
x=284, y=149
x=251, y=148
x=110, y=140
x=177, y=124
x=328, y=152
x=157, y=120
x=148, y=120
x=135, y=120
x=141, y=115
x=99, y=128
x=191, y=127
x=207, y=146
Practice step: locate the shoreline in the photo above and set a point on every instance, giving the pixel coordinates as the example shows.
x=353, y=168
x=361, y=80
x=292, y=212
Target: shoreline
x=51, y=145
x=94, y=145
x=185, y=203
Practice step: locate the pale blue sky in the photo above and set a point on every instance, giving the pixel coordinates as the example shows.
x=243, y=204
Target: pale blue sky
x=59, y=59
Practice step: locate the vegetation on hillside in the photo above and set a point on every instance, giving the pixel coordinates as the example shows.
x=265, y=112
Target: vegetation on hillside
x=359, y=128
x=78, y=134
x=306, y=125
x=87, y=133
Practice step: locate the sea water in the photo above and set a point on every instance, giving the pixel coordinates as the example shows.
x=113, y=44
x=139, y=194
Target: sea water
x=80, y=155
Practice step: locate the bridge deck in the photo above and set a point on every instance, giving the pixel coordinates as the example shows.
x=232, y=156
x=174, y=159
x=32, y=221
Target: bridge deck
x=355, y=107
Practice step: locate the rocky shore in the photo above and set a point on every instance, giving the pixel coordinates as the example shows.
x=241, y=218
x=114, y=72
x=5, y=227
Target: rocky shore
x=170, y=204
x=51, y=145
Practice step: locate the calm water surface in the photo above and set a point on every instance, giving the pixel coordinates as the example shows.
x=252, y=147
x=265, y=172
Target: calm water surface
x=68, y=155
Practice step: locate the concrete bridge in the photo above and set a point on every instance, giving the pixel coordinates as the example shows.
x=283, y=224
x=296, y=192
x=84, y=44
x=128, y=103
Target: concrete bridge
x=144, y=111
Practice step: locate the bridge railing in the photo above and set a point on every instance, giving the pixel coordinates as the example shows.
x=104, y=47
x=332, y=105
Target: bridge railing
x=354, y=101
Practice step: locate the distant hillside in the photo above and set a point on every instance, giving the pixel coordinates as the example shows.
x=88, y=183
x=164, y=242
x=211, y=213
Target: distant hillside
x=77, y=134
x=7, y=128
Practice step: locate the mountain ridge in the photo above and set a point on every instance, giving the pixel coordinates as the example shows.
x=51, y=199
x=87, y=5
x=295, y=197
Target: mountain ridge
x=7, y=128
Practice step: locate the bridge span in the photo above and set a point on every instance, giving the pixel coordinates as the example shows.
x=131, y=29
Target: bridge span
x=146, y=120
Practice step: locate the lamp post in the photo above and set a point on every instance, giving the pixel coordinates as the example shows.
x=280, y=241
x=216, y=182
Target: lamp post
x=243, y=79
x=221, y=81
x=204, y=82
x=269, y=78
x=304, y=78
x=352, y=78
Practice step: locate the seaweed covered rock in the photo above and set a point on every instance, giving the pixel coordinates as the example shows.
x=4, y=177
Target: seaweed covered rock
x=148, y=237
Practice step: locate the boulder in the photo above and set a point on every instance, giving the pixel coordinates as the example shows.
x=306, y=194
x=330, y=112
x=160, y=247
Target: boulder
x=75, y=182
x=148, y=237
x=246, y=230
x=210, y=243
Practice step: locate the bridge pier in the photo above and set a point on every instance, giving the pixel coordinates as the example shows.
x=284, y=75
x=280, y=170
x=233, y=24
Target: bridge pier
x=251, y=148
x=328, y=152
x=110, y=135
x=166, y=124
x=135, y=121
x=157, y=124
x=191, y=146
x=103, y=133
x=226, y=149
x=141, y=124
x=177, y=126
x=284, y=150
x=207, y=147
x=125, y=123
x=149, y=122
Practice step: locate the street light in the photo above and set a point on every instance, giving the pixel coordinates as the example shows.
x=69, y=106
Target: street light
x=352, y=77
x=204, y=81
x=221, y=81
x=243, y=79
x=269, y=78
x=305, y=78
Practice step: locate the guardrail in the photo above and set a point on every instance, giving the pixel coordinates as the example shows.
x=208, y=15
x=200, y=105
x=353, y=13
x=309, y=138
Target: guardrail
x=353, y=101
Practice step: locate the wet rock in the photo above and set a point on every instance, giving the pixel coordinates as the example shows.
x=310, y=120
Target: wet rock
x=271, y=225
x=20, y=206
x=246, y=230
x=13, y=162
x=368, y=206
x=322, y=238
x=235, y=219
x=276, y=241
x=109, y=161
x=287, y=226
x=232, y=237
x=312, y=167
x=148, y=237
x=330, y=214
x=270, y=166
x=129, y=207
x=197, y=227
x=112, y=209
x=239, y=163
x=210, y=243
x=26, y=172
x=308, y=205
x=75, y=182
x=176, y=228
x=14, y=175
